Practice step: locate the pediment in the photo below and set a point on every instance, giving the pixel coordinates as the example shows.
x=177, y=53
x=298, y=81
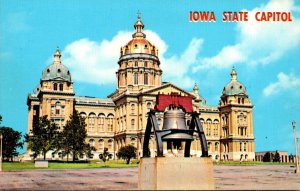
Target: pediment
x=167, y=89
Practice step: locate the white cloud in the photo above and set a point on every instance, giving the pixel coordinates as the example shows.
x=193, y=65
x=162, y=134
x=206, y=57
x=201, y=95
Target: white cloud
x=258, y=42
x=96, y=62
x=176, y=68
x=284, y=82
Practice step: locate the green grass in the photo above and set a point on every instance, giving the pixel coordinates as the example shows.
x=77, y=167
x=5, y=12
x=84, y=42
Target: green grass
x=17, y=166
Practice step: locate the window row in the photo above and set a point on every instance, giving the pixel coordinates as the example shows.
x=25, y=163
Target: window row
x=209, y=146
x=209, y=120
x=101, y=144
x=58, y=87
x=145, y=64
x=136, y=78
x=242, y=131
x=243, y=146
x=94, y=122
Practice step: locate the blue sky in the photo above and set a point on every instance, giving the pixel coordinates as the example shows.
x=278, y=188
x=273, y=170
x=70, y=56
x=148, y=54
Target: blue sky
x=90, y=33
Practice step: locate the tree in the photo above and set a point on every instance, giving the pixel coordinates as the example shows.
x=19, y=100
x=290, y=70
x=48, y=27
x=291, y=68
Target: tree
x=73, y=137
x=127, y=153
x=105, y=155
x=267, y=157
x=43, y=137
x=276, y=157
x=291, y=158
x=88, y=150
x=11, y=141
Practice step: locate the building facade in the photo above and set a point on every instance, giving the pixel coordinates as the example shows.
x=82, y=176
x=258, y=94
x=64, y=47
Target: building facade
x=120, y=119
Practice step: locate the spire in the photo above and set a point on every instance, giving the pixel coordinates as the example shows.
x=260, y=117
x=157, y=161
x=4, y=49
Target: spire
x=233, y=74
x=196, y=90
x=57, y=56
x=139, y=26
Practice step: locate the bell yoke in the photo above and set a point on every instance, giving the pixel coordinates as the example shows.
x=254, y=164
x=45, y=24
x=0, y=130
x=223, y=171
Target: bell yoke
x=175, y=130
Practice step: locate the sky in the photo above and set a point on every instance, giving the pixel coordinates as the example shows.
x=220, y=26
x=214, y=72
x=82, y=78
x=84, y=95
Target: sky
x=90, y=34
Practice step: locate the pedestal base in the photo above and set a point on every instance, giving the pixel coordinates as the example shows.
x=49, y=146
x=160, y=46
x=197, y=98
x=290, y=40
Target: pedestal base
x=161, y=173
x=41, y=164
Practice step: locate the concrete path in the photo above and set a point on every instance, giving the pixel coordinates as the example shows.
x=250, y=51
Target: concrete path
x=272, y=177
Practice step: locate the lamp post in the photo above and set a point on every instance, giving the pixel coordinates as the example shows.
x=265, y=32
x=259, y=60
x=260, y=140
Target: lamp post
x=296, y=147
x=1, y=137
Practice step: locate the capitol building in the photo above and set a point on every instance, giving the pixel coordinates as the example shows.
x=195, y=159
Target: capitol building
x=120, y=119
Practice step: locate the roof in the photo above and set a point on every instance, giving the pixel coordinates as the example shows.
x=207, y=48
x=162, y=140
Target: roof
x=234, y=87
x=56, y=70
x=86, y=100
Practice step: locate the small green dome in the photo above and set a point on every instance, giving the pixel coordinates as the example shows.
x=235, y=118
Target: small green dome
x=234, y=87
x=56, y=71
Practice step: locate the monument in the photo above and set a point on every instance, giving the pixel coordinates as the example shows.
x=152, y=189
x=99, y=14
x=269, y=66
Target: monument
x=175, y=168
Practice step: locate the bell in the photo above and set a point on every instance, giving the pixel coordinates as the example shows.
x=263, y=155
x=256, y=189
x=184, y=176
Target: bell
x=174, y=120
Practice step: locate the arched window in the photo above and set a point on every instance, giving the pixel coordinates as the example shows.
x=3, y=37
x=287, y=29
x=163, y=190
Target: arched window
x=133, y=141
x=132, y=123
x=146, y=63
x=92, y=117
x=110, y=144
x=242, y=119
x=58, y=108
x=216, y=146
x=245, y=147
x=61, y=87
x=146, y=78
x=149, y=105
x=136, y=78
x=216, y=123
x=101, y=144
x=201, y=121
x=92, y=142
x=55, y=87
x=217, y=157
x=136, y=64
x=110, y=122
x=101, y=122
x=82, y=114
x=209, y=146
x=208, y=128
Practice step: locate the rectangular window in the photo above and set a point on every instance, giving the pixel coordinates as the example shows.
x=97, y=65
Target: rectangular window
x=146, y=79
x=136, y=78
x=52, y=110
x=62, y=110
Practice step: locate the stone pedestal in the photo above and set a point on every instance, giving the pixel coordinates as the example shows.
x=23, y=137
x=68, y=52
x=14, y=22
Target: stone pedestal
x=178, y=173
x=41, y=164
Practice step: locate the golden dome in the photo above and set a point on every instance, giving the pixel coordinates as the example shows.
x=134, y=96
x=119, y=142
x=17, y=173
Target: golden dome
x=139, y=44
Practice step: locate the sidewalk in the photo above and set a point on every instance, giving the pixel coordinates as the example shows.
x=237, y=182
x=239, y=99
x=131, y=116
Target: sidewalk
x=274, y=177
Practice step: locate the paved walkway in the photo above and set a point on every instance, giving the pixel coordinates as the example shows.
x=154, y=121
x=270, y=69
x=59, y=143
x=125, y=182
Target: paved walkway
x=226, y=177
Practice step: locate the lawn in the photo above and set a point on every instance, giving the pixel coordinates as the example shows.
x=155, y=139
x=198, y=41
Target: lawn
x=16, y=166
